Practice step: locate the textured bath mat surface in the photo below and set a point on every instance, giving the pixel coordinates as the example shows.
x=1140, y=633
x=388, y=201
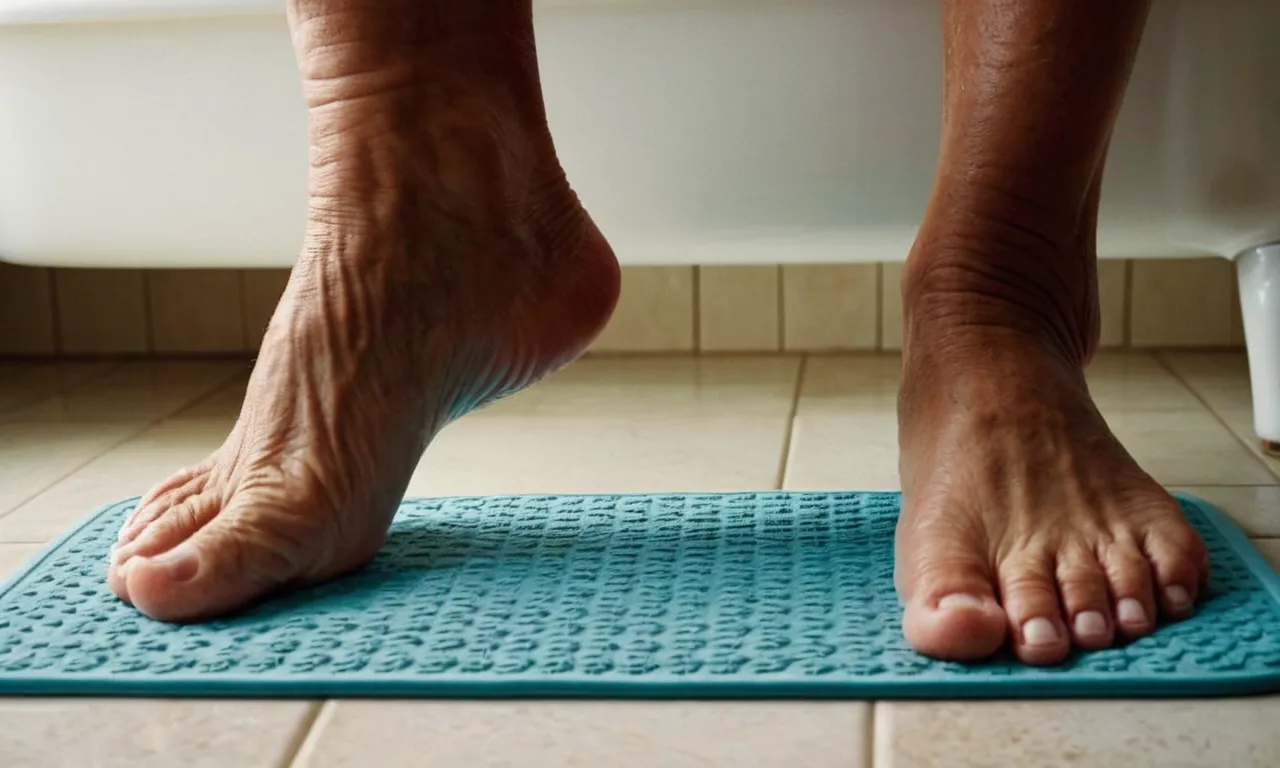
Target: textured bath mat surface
x=744, y=595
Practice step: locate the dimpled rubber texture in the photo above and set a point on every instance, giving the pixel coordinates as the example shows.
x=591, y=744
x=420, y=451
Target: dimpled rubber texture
x=667, y=596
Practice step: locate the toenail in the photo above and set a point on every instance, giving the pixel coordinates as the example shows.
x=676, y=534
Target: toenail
x=1130, y=611
x=181, y=562
x=951, y=602
x=1039, y=631
x=1090, y=624
x=1179, y=598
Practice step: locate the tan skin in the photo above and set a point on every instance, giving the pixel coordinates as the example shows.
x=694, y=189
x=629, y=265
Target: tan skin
x=447, y=262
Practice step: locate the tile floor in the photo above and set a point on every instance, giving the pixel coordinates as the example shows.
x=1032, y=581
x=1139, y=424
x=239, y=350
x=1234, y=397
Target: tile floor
x=73, y=435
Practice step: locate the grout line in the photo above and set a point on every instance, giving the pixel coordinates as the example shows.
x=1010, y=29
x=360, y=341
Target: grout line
x=697, y=309
x=302, y=744
x=1126, y=336
x=148, y=319
x=782, y=310
x=55, y=312
x=785, y=463
x=1168, y=366
x=879, y=306
x=869, y=728
x=244, y=310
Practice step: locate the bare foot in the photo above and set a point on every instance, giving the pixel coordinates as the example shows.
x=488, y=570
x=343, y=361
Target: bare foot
x=447, y=263
x=1024, y=518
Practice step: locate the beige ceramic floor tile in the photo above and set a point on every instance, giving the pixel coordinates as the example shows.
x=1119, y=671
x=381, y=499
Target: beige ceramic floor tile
x=34, y=456
x=127, y=470
x=845, y=434
x=115, y=733
x=1240, y=422
x=1231, y=733
x=615, y=426
x=23, y=384
x=138, y=391
x=600, y=454
x=589, y=734
x=222, y=403
x=1255, y=509
x=660, y=386
x=1188, y=448
x=843, y=452
x=1270, y=548
x=1123, y=382
x=14, y=556
x=847, y=384
x=1221, y=379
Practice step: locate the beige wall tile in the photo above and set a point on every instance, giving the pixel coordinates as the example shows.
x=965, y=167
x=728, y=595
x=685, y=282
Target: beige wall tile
x=829, y=307
x=1181, y=303
x=26, y=311
x=1237, y=320
x=738, y=309
x=102, y=311
x=654, y=314
x=1113, y=295
x=262, y=289
x=196, y=310
x=891, y=306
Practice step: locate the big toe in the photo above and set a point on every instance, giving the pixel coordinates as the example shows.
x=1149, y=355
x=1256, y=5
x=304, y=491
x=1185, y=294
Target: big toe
x=951, y=611
x=220, y=568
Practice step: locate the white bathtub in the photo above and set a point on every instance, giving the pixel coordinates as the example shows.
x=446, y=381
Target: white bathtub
x=172, y=133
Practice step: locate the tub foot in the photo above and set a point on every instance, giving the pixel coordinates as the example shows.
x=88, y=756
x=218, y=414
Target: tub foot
x=1259, y=273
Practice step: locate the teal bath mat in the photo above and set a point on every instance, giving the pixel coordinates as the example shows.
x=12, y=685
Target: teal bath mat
x=665, y=596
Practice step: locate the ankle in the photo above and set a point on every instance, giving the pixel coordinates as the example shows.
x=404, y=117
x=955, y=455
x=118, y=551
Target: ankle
x=961, y=291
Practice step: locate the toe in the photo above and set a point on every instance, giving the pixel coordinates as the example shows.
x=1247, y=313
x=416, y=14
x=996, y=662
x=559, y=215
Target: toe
x=949, y=595
x=1180, y=564
x=163, y=496
x=1086, y=598
x=1029, y=593
x=1129, y=576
